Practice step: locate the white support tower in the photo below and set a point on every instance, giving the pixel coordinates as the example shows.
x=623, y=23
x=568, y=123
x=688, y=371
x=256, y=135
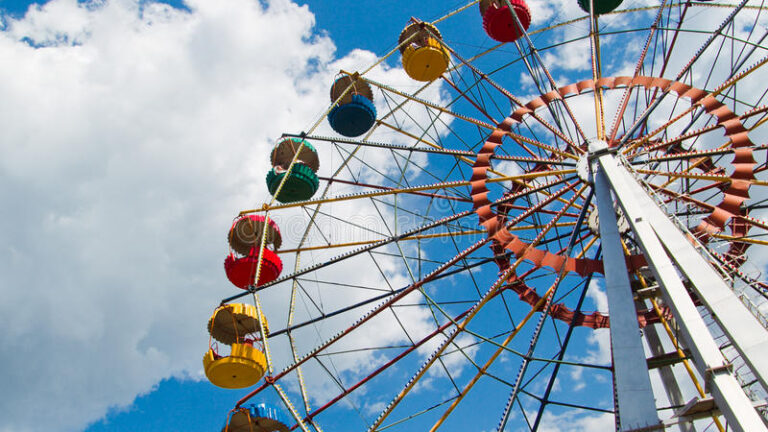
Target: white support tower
x=673, y=257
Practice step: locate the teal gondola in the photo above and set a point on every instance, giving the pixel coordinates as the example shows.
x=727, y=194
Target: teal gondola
x=302, y=181
x=601, y=6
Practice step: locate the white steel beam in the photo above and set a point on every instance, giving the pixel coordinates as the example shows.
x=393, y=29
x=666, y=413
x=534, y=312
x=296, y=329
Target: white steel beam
x=668, y=378
x=728, y=394
x=749, y=337
x=636, y=407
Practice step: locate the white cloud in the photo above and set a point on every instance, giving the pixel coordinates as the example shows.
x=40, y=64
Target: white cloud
x=599, y=341
x=130, y=137
x=573, y=422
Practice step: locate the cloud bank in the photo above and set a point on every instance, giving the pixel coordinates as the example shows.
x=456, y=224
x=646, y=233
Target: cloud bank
x=131, y=134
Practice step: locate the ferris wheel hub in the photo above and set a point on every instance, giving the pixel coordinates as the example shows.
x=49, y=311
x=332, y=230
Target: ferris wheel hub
x=582, y=169
x=595, y=147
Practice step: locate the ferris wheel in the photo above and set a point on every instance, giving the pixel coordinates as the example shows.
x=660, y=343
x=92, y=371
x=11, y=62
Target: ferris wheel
x=553, y=223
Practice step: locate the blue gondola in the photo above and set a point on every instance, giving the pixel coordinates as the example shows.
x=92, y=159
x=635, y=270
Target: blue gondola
x=355, y=113
x=256, y=418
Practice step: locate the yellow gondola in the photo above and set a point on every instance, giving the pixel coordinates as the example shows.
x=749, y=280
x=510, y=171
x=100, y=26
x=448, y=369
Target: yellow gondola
x=236, y=325
x=424, y=56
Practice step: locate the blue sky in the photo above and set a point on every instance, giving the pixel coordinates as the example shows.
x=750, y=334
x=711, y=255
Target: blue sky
x=358, y=25
x=131, y=139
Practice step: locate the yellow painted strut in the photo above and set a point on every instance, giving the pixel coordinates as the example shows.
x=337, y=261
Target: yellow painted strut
x=418, y=237
x=689, y=175
x=444, y=185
